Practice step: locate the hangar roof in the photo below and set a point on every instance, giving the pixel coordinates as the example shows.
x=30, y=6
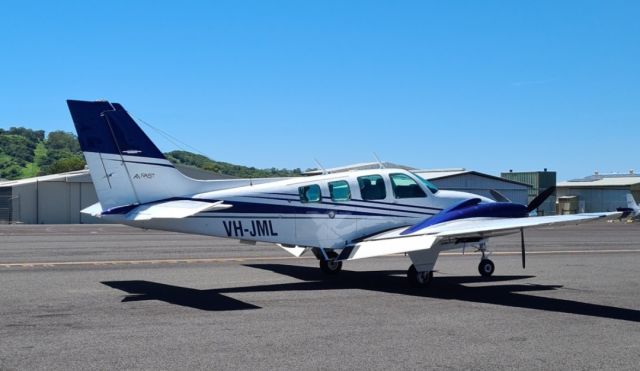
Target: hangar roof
x=604, y=180
x=447, y=173
x=359, y=166
x=82, y=176
x=72, y=176
x=429, y=174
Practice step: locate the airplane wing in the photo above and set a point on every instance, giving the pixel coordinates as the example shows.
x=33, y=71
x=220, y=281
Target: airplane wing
x=397, y=241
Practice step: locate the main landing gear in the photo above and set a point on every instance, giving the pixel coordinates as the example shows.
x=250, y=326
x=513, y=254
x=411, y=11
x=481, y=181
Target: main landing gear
x=419, y=279
x=486, y=266
x=330, y=265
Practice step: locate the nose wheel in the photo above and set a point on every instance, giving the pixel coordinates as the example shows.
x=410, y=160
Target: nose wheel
x=486, y=268
x=419, y=279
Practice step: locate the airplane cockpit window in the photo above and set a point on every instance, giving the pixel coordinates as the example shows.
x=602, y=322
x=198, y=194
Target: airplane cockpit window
x=405, y=187
x=339, y=191
x=372, y=187
x=432, y=187
x=310, y=193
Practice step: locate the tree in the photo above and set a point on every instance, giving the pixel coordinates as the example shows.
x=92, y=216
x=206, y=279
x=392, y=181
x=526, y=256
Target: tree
x=62, y=141
x=67, y=164
x=9, y=169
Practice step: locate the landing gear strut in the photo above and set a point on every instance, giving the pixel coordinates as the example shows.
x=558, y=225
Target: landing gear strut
x=330, y=265
x=486, y=266
x=419, y=279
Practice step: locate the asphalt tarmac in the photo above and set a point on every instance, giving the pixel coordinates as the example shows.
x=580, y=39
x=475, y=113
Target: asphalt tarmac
x=110, y=297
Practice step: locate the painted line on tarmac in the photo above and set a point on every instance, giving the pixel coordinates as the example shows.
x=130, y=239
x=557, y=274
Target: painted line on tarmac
x=270, y=258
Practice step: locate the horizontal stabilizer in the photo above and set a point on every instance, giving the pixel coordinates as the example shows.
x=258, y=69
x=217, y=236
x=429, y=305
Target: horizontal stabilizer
x=93, y=210
x=174, y=209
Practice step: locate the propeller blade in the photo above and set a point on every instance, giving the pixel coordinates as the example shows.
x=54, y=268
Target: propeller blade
x=522, y=246
x=498, y=196
x=540, y=198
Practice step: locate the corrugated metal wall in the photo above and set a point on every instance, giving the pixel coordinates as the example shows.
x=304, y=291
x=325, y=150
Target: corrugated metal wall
x=53, y=202
x=598, y=199
x=5, y=205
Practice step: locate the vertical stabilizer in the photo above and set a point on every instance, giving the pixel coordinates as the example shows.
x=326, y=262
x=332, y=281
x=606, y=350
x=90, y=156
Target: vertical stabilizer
x=126, y=167
x=631, y=204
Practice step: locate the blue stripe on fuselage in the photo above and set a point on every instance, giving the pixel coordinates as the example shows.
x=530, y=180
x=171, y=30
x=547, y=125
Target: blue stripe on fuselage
x=346, y=204
x=297, y=197
x=240, y=207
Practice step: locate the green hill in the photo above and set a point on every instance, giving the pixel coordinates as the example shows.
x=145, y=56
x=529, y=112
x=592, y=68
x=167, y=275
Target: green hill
x=203, y=162
x=27, y=153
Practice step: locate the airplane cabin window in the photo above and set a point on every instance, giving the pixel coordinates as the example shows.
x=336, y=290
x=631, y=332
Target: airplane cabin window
x=372, y=187
x=310, y=193
x=405, y=187
x=339, y=191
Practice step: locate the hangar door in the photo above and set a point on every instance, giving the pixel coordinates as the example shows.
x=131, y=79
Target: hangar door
x=61, y=202
x=54, y=203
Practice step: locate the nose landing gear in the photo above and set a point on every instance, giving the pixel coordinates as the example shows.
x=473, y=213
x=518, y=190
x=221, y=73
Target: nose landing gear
x=486, y=266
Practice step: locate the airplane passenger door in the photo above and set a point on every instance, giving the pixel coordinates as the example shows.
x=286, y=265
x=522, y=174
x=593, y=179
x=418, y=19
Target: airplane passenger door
x=342, y=225
x=374, y=200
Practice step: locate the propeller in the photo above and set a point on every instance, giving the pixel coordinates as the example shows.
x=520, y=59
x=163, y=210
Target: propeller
x=522, y=246
x=540, y=198
x=534, y=204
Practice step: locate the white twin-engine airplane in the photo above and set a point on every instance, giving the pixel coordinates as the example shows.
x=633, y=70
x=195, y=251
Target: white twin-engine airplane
x=338, y=217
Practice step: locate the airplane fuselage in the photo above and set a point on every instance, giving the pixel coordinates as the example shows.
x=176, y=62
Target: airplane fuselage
x=329, y=211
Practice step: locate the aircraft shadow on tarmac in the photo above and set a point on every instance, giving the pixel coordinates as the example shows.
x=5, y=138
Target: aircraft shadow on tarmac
x=394, y=282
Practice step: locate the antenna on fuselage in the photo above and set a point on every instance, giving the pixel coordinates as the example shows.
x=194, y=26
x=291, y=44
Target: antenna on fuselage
x=378, y=159
x=324, y=171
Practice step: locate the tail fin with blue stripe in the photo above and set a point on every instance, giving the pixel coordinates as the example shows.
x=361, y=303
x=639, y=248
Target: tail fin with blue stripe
x=126, y=167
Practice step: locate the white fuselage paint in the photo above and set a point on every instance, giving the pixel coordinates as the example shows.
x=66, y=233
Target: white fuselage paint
x=273, y=212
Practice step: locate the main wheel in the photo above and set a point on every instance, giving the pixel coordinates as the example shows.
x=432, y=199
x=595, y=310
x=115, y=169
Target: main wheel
x=486, y=268
x=419, y=279
x=330, y=266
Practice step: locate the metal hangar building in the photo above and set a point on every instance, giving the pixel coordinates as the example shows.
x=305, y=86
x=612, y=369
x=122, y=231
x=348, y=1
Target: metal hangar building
x=597, y=192
x=476, y=182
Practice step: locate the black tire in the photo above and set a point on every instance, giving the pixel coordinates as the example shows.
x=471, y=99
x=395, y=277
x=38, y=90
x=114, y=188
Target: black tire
x=419, y=279
x=486, y=268
x=330, y=266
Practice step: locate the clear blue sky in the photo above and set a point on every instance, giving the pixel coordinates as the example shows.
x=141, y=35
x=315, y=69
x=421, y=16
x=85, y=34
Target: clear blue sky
x=486, y=85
